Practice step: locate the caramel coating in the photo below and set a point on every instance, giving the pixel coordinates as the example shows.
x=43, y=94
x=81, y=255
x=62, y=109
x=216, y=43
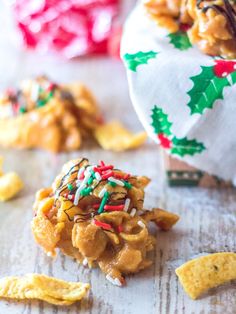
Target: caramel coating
x=117, y=241
x=69, y=114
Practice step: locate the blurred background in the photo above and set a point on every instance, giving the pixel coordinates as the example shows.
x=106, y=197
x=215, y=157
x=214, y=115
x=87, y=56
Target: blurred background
x=67, y=40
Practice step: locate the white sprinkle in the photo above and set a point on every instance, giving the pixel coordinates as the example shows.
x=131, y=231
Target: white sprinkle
x=141, y=224
x=115, y=282
x=102, y=192
x=70, y=197
x=78, y=182
x=97, y=176
x=49, y=254
x=118, y=182
x=77, y=194
x=86, y=177
x=133, y=212
x=34, y=92
x=85, y=262
x=127, y=203
x=84, y=181
x=81, y=170
x=57, y=194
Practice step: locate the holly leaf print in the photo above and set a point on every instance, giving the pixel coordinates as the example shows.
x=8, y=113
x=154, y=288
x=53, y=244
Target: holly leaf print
x=207, y=88
x=180, y=40
x=178, y=146
x=233, y=77
x=185, y=146
x=134, y=60
x=160, y=121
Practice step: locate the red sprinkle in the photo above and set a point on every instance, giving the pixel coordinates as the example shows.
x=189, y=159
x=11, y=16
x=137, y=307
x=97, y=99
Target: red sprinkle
x=121, y=176
x=120, y=228
x=15, y=107
x=104, y=168
x=10, y=92
x=81, y=176
x=114, y=207
x=107, y=175
x=97, y=170
x=96, y=206
x=102, y=225
x=102, y=163
x=51, y=86
x=127, y=176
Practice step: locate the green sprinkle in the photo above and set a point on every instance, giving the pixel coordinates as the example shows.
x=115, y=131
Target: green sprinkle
x=49, y=96
x=70, y=187
x=85, y=192
x=113, y=184
x=90, y=180
x=127, y=185
x=103, y=202
x=22, y=110
x=41, y=103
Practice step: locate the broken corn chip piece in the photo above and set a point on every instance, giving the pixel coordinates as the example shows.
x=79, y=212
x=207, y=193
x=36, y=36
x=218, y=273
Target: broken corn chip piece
x=165, y=220
x=162, y=218
x=114, y=136
x=206, y=272
x=10, y=185
x=42, y=287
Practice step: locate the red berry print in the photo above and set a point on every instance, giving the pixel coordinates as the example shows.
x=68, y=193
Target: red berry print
x=164, y=141
x=224, y=68
x=177, y=146
x=184, y=27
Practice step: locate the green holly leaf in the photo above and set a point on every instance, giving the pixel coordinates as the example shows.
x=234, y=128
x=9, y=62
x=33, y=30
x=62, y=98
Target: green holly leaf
x=160, y=121
x=207, y=88
x=136, y=59
x=180, y=40
x=233, y=77
x=183, y=146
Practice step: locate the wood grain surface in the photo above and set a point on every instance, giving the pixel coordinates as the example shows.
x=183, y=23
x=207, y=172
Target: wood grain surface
x=207, y=221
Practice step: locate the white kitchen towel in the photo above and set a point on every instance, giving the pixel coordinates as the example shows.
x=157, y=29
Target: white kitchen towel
x=185, y=99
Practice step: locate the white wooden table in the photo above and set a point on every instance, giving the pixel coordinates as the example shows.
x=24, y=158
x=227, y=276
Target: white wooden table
x=207, y=216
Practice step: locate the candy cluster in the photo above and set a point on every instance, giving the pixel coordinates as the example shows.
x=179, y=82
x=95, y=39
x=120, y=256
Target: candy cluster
x=91, y=177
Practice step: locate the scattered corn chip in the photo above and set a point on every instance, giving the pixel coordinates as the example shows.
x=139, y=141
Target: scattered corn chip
x=206, y=272
x=10, y=185
x=114, y=136
x=162, y=218
x=41, y=287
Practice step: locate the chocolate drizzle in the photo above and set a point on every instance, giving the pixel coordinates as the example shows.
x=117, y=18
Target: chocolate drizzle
x=62, y=187
x=114, y=200
x=227, y=11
